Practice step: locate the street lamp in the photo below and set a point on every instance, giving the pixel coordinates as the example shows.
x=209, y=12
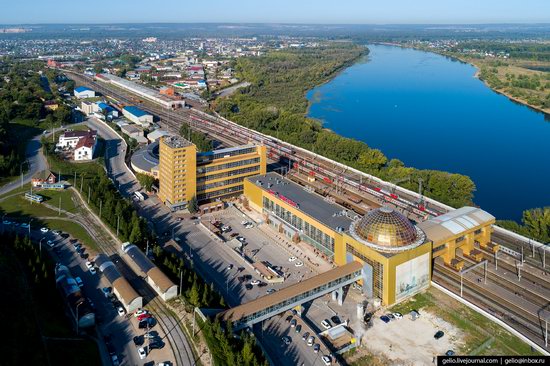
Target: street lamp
x=77, y=323
x=40, y=246
x=30, y=227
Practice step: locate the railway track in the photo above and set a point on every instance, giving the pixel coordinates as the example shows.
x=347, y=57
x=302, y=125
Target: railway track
x=529, y=324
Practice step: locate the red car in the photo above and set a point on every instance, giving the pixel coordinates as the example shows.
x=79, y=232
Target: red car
x=144, y=316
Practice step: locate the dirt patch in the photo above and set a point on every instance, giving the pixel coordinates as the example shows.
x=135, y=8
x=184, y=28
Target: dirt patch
x=408, y=342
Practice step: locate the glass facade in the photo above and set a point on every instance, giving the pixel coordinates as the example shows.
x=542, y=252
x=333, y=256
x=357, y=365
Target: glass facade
x=206, y=157
x=377, y=271
x=234, y=164
x=252, y=169
x=221, y=192
x=308, y=233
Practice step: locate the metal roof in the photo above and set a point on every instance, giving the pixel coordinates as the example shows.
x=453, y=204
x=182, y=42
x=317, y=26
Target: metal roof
x=109, y=270
x=147, y=157
x=279, y=297
x=81, y=89
x=139, y=258
x=135, y=111
x=315, y=206
x=454, y=223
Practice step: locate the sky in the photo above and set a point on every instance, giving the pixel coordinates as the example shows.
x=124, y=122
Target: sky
x=275, y=11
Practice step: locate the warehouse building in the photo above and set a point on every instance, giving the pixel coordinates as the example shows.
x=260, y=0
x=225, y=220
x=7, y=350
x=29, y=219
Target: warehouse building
x=396, y=254
x=129, y=298
x=162, y=285
x=138, y=116
x=141, y=90
x=208, y=176
x=83, y=92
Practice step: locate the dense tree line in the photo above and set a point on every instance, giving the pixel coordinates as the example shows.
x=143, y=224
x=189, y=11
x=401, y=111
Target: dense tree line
x=22, y=96
x=535, y=224
x=275, y=104
x=516, y=50
x=200, y=139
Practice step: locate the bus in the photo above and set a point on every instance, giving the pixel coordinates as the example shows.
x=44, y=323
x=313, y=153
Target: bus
x=34, y=197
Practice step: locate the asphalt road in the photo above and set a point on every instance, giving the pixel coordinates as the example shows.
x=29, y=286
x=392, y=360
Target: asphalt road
x=115, y=150
x=36, y=161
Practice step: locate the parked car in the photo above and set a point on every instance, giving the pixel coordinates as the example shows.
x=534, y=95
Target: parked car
x=397, y=315
x=288, y=318
x=316, y=348
x=298, y=328
x=293, y=323
x=270, y=291
x=89, y=265
x=120, y=310
x=326, y=360
x=44, y=229
x=325, y=323
x=450, y=353
x=106, y=291
x=305, y=336
x=310, y=341
x=140, y=312
x=144, y=316
x=92, y=271
x=50, y=243
x=286, y=340
x=138, y=340
x=336, y=320
x=254, y=282
x=114, y=360
x=299, y=264
x=390, y=316
x=439, y=334
x=79, y=282
x=56, y=232
x=292, y=259
x=230, y=266
x=142, y=353
x=385, y=319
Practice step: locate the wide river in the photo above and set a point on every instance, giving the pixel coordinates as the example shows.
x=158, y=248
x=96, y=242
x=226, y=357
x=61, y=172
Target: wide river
x=431, y=112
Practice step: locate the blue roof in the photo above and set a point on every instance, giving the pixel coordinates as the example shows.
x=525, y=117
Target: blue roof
x=80, y=89
x=135, y=111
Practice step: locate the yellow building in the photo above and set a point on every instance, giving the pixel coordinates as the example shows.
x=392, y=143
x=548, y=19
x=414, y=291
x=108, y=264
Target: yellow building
x=397, y=255
x=177, y=171
x=221, y=173
x=183, y=173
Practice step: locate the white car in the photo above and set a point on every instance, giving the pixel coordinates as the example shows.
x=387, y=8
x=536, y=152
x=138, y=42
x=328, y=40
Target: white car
x=292, y=259
x=397, y=315
x=298, y=264
x=79, y=282
x=6, y=222
x=44, y=229
x=141, y=352
x=89, y=265
x=120, y=310
x=326, y=324
x=254, y=282
x=50, y=243
x=310, y=341
x=249, y=226
x=93, y=271
x=326, y=360
x=25, y=225
x=244, y=222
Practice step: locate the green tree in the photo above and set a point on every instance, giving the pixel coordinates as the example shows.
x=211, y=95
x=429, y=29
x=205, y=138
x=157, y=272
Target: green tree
x=193, y=205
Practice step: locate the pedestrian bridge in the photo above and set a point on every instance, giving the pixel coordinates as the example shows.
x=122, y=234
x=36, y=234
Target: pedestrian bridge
x=264, y=307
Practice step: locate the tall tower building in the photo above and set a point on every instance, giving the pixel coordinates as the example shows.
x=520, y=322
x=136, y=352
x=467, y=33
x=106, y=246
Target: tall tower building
x=177, y=171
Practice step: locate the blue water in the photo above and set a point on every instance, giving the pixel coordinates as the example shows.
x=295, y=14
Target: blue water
x=432, y=113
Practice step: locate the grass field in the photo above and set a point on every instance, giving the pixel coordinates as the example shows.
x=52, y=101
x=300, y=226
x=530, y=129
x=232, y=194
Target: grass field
x=482, y=336
x=75, y=229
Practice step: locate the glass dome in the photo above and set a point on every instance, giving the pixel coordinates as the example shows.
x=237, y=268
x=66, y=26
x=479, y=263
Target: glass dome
x=386, y=230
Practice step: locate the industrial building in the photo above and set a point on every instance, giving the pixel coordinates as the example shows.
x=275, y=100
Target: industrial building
x=396, y=254
x=142, y=91
x=208, y=176
x=162, y=285
x=137, y=116
x=129, y=298
x=83, y=92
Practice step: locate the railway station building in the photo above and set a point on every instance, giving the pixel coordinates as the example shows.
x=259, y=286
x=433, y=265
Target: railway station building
x=209, y=176
x=395, y=253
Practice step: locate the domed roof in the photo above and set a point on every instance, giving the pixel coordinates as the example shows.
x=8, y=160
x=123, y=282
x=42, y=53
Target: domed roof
x=387, y=230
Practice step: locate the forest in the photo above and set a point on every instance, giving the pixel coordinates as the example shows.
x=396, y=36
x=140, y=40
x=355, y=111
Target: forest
x=275, y=103
x=535, y=224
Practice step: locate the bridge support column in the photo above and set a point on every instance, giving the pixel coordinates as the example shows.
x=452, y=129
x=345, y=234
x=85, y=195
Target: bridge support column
x=338, y=295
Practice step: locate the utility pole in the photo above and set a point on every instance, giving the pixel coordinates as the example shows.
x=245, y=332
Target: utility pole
x=89, y=192
x=181, y=281
x=100, y=207
x=74, y=178
x=81, y=182
x=117, y=224
x=59, y=213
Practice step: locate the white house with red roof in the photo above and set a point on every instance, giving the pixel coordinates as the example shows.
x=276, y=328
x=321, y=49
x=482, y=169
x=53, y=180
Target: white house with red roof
x=83, y=143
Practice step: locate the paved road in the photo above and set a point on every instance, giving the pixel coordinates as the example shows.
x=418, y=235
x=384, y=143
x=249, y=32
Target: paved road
x=115, y=150
x=37, y=163
x=232, y=89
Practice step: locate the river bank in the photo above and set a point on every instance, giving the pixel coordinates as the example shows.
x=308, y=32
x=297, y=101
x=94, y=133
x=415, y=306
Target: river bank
x=478, y=66
x=429, y=112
